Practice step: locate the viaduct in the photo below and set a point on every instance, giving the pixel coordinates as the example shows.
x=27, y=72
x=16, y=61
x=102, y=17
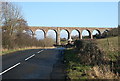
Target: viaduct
x=69, y=30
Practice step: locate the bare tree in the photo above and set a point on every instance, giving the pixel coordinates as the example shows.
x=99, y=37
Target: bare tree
x=12, y=20
x=12, y=23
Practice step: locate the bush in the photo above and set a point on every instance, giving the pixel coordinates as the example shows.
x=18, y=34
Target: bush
x=87, y=61
x=7, y=41
x=48, y=42
x=89, y=53
x=112, y=33
x=21, y=40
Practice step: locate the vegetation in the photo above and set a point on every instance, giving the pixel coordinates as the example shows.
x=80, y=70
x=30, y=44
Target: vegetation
x=109, y=46
x=74, y=69
x=63, y=41
x=112, y=33
x=76, y=37
x=6, y=51
x=111, y=50
x=94, y=59
x=13, y=24
x=87, y=61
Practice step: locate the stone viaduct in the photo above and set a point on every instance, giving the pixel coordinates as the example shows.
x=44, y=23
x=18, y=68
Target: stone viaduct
x=68, y=29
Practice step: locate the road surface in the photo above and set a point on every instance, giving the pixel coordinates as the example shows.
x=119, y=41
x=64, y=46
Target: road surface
x=33, y=64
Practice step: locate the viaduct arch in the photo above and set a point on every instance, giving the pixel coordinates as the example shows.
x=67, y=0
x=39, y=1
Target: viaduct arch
x=68, y=29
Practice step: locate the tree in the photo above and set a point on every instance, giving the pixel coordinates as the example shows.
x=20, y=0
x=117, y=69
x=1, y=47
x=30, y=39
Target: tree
x=12, y=23
x=12, y=20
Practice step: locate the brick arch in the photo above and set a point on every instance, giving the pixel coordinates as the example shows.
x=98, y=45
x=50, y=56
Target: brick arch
x=42, y=31
x=97, y=31
x=68, y=32
x=77, y=31
x=89, y=31
x=54, y=31
x=103, y=30
x=32, y=32
x=106, y=30
x=96, y=35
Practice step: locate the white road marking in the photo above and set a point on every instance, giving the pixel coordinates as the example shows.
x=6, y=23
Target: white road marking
x=18, y=64
x=10, y=68
x=30, y=57
x=39, y=51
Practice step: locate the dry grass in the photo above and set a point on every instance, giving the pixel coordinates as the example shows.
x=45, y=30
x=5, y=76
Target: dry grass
x=101, y=72
x=111, y=51
x=109, y=46
x=7, y=51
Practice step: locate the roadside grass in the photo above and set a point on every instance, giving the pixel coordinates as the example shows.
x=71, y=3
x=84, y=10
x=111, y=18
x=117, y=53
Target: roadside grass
x=7, y=51
x=75, y=70
x=83, y=62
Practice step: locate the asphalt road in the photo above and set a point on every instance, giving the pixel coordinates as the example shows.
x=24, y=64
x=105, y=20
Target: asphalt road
x=33, y=64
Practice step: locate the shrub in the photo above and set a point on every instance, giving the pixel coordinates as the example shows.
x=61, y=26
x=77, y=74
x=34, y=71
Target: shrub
x=89, y=53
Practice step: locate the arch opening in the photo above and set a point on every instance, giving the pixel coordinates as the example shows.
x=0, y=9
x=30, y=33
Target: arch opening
x=86, y=34
x=39, y=34
x=96, y=34
x=29, y=32
x=105, y=33
x=75, y=34
x=52, y=34
x=64, y=36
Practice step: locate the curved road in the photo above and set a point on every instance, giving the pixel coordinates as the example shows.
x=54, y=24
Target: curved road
x=33, y=64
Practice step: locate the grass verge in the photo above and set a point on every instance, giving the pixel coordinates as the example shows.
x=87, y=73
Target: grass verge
x=6, y=51
x=75, y=70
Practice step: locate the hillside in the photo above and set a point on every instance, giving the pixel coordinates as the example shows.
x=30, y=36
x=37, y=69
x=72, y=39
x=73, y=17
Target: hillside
x=95, y=59
x=109, y=46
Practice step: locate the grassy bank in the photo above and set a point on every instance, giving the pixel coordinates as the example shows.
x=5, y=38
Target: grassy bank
x=7, y=51
x=110, y=47
x=93, y=60
x=75, y=70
